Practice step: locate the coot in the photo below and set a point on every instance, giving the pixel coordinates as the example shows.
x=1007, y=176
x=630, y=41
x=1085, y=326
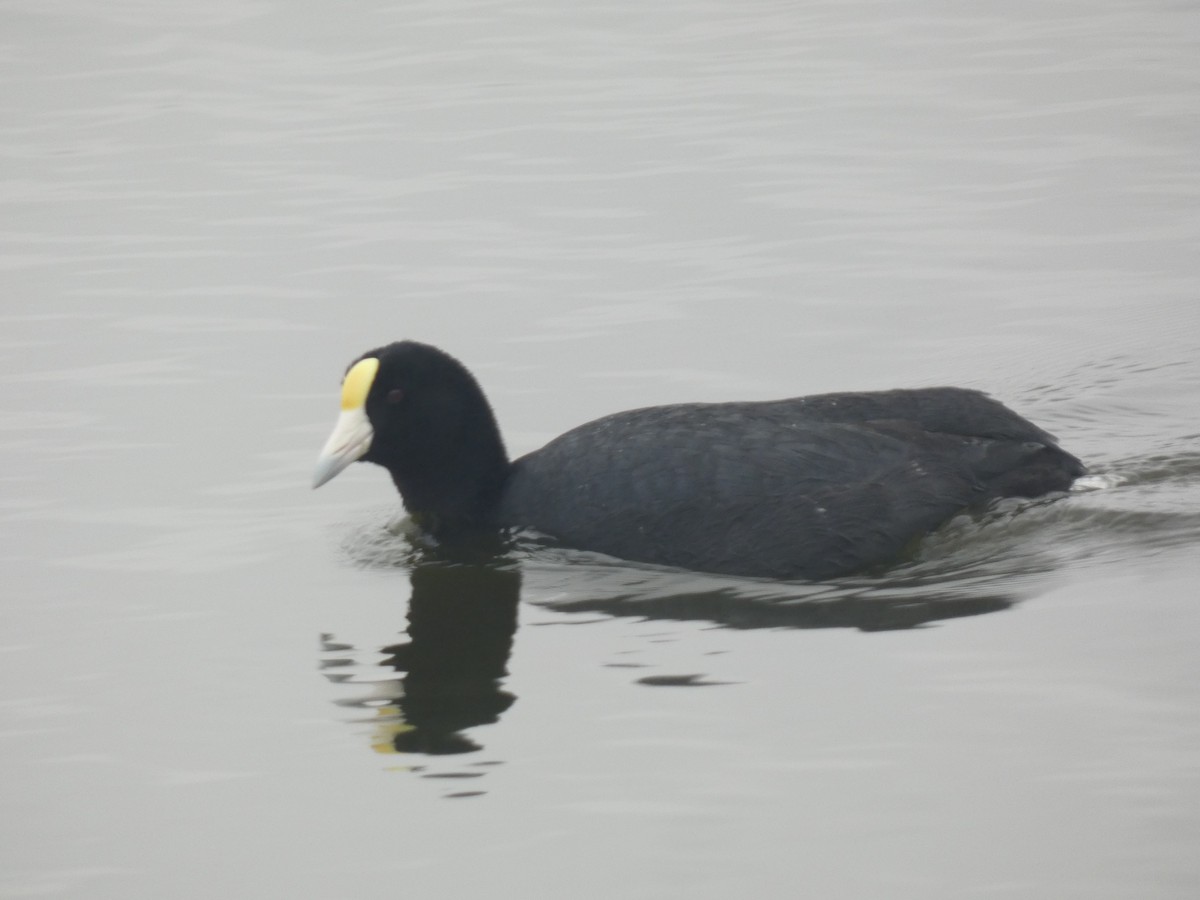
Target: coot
x=811, y=487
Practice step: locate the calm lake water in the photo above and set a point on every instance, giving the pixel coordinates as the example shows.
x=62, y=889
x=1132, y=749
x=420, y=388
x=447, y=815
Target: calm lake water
x=215, y=683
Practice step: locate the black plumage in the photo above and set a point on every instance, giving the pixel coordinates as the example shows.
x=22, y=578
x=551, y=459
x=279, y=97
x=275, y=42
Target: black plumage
x=811, y=487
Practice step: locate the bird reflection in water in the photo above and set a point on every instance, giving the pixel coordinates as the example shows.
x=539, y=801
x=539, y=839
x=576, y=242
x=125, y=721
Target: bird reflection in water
x=461, y=620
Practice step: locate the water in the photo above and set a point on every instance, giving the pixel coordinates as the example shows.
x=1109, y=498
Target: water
x=209, y=210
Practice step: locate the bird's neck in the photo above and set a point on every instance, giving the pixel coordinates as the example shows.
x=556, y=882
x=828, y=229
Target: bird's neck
x=455, y=489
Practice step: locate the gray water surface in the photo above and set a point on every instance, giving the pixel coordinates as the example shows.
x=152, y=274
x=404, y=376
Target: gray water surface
x=215, y=683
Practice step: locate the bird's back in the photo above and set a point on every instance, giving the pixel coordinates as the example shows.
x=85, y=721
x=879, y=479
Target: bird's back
x=811, y=487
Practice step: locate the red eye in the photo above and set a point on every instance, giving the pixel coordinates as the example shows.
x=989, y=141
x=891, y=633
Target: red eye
x=395, y=395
